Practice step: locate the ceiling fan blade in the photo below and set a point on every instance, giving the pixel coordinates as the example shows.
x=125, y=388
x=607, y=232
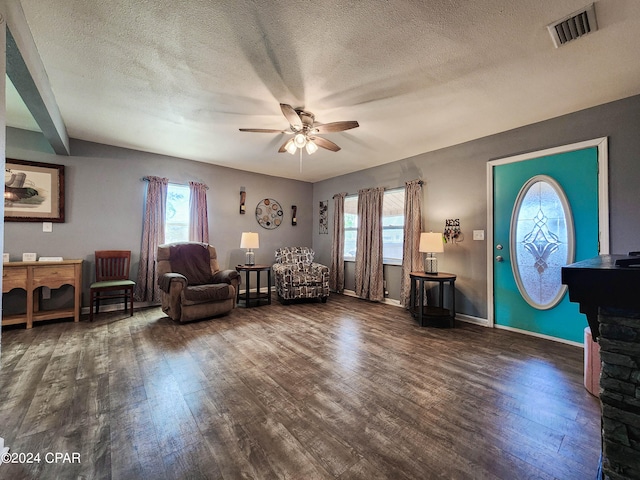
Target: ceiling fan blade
x=324, y=143
x=262, y=130
x=292, y=116
x=336, y=126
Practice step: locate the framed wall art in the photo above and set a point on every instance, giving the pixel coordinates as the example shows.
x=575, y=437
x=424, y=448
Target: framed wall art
x=33, y=192
x=324, y=220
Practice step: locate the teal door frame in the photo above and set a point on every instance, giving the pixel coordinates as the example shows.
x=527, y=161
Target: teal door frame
x=603, y=211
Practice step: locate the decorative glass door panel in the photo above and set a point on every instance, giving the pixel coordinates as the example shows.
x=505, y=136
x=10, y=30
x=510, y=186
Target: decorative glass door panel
x=542, y=241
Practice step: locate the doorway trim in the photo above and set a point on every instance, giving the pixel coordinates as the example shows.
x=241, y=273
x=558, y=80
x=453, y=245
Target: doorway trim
x=603, y=209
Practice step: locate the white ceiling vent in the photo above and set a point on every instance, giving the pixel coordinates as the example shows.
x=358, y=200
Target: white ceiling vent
x=573, y=26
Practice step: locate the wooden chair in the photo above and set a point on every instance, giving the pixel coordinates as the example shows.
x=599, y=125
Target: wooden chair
x=112, y=279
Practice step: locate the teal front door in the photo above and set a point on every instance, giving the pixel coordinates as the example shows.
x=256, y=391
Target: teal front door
x=545, y=215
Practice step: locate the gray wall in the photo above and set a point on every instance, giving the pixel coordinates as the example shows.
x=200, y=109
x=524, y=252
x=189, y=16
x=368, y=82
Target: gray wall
x=105, y=197
x=105, y=202
x=455, y=187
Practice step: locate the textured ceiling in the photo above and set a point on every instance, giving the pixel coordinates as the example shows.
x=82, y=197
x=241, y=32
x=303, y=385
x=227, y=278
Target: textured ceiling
x=180, y=78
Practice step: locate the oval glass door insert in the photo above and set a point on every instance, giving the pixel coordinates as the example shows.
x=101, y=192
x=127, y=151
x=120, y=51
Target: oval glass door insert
x=542, y=241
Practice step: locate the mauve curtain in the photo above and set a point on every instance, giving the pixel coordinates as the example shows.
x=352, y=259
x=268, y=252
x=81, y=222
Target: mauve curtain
x=198, y=220
x=336, y=272
x=411, y=256
x=147, y=289
x=369, y=283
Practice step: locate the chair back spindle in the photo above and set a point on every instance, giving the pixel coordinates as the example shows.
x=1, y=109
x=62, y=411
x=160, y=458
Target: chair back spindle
x=112, y=265
x=112, y=279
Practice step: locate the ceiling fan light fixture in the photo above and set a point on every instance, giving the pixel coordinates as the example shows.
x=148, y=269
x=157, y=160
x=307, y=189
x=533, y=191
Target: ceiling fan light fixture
x=311, y=147
x=291, y=147
x=304, y=130
x=300, y=140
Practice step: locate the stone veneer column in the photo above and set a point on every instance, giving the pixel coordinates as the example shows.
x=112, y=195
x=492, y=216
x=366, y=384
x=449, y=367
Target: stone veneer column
x=607, y=289
x=620, y=392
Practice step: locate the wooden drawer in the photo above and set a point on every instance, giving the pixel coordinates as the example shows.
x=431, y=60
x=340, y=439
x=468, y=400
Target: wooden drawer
x=14, y=278
x=53, y=276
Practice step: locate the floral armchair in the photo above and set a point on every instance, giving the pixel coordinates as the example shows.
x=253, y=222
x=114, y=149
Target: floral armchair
x=297, y=276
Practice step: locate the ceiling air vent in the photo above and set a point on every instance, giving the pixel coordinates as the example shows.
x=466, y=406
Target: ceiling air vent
x=573, y=26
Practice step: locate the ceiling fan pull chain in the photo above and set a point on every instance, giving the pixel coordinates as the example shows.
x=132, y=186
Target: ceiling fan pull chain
x=300, y=160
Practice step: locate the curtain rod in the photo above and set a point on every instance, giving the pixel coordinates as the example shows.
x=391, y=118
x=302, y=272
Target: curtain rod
x=421, y=182
x=146, y=179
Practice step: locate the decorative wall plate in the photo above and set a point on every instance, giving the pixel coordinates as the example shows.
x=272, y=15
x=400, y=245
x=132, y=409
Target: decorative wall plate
x=269, y=213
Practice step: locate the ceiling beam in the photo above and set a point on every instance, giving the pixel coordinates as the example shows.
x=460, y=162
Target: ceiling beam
x=27, y=72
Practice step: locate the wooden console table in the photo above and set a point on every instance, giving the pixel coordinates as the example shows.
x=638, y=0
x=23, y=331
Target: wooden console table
x=30, y=276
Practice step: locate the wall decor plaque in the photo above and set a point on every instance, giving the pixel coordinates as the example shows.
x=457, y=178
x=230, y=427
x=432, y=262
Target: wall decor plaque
x=269, y=213
x=324, y=219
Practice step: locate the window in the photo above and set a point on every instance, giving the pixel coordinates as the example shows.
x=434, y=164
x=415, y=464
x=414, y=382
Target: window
x=350, y=227
x=176, y=227
x=392, y=226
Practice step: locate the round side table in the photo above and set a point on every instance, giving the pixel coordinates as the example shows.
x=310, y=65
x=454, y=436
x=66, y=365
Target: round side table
x=257, y=298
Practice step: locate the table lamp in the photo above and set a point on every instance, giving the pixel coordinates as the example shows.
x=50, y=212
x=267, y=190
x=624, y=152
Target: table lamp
x=431, y=243
x=250, y=241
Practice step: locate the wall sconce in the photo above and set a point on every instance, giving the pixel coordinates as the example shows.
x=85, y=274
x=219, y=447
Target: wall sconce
x=243, y=198
x=294, y=217
x=431, y=243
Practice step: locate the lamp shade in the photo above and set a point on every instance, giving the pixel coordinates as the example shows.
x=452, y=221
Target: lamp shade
x=300, y=140
x=311, y=147
x=249, y=240
x=291, y=146
x=431, y=242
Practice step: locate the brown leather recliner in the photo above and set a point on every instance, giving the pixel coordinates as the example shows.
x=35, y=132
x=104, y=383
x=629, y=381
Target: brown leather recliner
x=191, y=282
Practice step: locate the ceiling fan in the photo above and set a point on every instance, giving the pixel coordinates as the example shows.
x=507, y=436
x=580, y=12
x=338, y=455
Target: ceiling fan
x=305, y=131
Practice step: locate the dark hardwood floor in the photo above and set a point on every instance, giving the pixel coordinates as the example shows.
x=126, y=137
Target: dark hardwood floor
x=348, y=389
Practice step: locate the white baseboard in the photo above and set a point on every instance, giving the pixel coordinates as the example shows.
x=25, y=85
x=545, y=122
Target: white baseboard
x=463, y=317
x=540, y=335
x=483, y=322
x=112, y=307
x=262, y=289
x=386, y=301
x=459, y=316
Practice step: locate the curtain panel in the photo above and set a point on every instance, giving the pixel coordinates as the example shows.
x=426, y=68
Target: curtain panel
x=147, y=289
x=336, y=271
x=369, y=281
x=198, y=219
x=411, y=257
